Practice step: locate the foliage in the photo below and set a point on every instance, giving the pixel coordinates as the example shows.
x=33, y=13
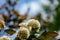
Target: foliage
x=46, y=25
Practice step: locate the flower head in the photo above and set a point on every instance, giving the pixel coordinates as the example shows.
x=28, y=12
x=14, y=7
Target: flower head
x=4, y=38
x=23, y=33
x=25, y=25
x=34, y=24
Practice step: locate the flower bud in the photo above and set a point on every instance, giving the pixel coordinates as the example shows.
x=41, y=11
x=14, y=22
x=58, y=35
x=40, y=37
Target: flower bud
x=23, y=33
x=4, y=38
x=34, y=24
x=25, y=25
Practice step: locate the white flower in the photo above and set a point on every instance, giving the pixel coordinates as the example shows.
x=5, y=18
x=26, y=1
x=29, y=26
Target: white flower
x=4, y=38
x=25, y=25
x=34, y=24
x=23, y=33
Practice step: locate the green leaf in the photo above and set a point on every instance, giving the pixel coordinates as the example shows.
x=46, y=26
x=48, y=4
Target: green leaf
x=10, y=31
x=52, y=34
x=47, y=36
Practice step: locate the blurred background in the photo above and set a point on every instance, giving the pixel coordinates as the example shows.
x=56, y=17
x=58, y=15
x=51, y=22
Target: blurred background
x=13, y=12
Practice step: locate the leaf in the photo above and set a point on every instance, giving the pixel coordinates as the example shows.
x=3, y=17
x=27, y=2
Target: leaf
x=36, y=39
x=52, y=34
x=1, y=26
x=44, y=23
x=49, y=23
x=1, y=17
x=15, y=2
x=10, y=31
x=37, y=17
x=15, y=25
x=47, y=8
x=45, y=38
x=2, y=23
x=33, y=32
x=47, y=35
x=16, y=12
x=6, y=16
x=9, y=2
x=24, y=16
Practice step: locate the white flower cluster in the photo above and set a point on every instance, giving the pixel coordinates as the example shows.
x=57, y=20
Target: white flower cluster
x=26, y=28
x=25, y=25
x=4, y=38
x=34, y=24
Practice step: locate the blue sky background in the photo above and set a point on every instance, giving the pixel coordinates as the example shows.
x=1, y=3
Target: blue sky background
x=19, y=2
x=34, y=5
